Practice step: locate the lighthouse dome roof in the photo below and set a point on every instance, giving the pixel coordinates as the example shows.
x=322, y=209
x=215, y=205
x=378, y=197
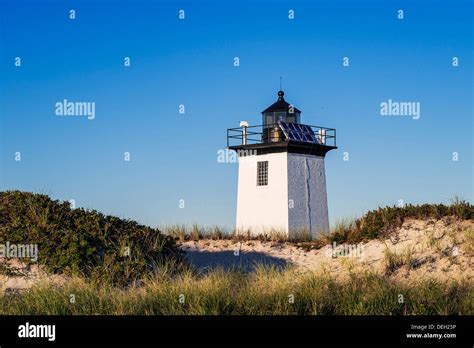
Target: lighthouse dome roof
x=281, y=105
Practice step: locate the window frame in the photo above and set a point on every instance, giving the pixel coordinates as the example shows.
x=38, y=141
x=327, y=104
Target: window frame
x=262, y=173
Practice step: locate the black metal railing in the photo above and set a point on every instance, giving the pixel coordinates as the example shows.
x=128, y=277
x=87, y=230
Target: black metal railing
x=266, y=134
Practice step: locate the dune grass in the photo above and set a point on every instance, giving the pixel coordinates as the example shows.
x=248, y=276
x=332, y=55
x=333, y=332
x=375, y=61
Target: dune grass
x=182, y=232
x=264, y=292
x=381, y=222
x=378, y=223
x=153, y=278
x=394, y=260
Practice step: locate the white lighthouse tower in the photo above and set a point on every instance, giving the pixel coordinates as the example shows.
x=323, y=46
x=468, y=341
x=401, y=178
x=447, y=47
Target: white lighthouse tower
x=282, y=180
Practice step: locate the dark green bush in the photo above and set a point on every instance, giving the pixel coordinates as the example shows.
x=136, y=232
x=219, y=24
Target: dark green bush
x=383, y=221
x=82, y=242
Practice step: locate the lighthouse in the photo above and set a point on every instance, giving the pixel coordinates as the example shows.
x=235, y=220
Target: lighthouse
x=281, y=178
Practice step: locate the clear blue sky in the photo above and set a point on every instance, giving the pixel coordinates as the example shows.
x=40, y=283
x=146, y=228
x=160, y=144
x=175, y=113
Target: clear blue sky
x=190, y=62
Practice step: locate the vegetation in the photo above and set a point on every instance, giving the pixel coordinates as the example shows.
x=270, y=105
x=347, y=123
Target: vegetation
x=379, y=223
x=383, y=221
x=195, y=232
x=121, y=267
x=394, y=260
x=267, y=291
x=81, y=242
x=469, y=240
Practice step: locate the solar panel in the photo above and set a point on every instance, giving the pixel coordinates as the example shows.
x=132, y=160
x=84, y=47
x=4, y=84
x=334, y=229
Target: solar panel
x=308, y=134
x=298, y=132
x=296, y=136
x=293, y=127
x=285, y=128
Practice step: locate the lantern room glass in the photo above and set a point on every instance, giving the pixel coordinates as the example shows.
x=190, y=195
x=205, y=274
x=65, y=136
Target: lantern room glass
x=271, y=118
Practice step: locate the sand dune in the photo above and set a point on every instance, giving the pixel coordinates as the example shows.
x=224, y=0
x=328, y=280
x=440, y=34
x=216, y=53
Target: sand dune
x=438, y=249
x=429, y=248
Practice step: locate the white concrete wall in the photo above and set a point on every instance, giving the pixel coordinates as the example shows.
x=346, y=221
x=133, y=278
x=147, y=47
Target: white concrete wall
x=262, y=208
x=308, y=208
x=294, y=200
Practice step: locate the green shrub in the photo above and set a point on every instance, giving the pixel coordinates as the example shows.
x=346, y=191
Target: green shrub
x=383, y=221
x=83, y=242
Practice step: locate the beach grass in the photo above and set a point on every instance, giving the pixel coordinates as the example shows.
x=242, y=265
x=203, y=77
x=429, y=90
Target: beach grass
x=154, y=278
x=266, y=291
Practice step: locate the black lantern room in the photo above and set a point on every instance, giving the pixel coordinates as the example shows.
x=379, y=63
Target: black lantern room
x=281, y=110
